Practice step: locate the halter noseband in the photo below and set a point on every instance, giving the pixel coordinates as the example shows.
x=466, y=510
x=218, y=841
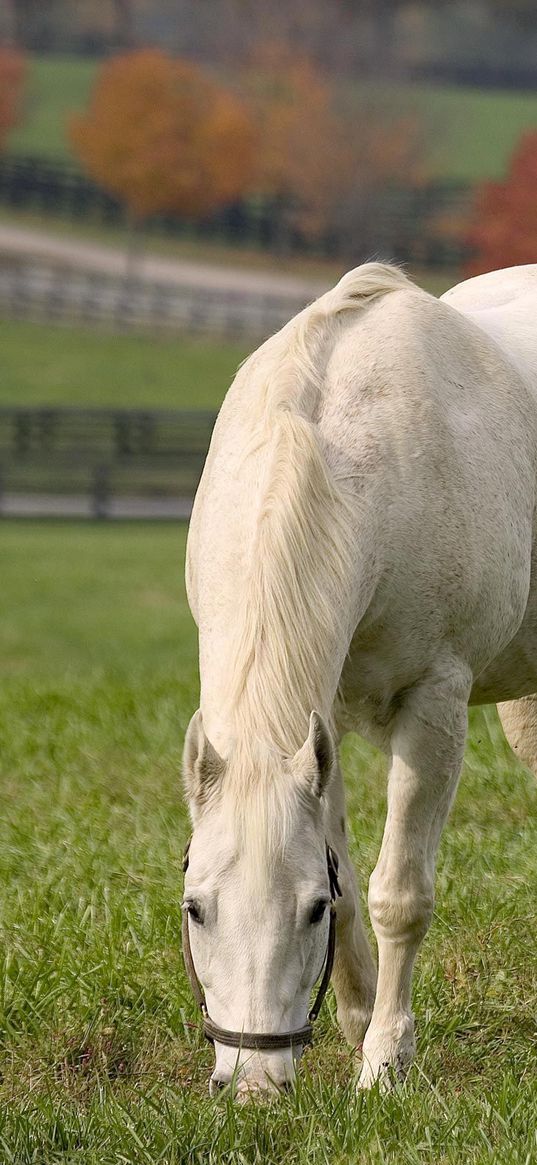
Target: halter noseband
x=266, y=1041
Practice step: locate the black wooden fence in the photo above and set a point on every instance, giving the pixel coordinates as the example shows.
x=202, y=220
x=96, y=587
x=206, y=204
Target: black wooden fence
x=101, y=463
x=403, y=221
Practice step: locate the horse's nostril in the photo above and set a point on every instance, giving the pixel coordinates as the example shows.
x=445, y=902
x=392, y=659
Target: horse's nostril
x=262, y=1089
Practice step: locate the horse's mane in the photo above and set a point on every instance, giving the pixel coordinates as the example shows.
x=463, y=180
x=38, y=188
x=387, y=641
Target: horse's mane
x=301, y=563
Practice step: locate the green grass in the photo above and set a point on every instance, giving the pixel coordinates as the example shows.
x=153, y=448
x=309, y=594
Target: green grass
x=56, y=88
x=46, y=366
x=472, y=132
x=100, y=1056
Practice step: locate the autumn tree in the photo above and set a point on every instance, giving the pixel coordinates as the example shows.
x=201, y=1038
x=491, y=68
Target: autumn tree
x=323, y=155
x=12, y=74
x=163, y=136
x=504, y=229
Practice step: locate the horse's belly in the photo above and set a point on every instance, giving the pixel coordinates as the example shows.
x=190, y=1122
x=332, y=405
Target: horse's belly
x=514, y=671
x=369, y=709
x=508, y=678
x=492, y=627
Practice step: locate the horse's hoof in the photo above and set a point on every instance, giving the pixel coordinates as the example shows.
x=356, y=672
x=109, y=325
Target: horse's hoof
x=387, y=1057
x=387, y=1076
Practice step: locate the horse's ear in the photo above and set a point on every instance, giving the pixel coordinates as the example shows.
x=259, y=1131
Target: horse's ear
x=314, y=762
x=203, y=768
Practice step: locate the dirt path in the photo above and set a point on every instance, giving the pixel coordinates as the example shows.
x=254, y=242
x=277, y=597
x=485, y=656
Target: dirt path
x=43, y=505
x=28, y=242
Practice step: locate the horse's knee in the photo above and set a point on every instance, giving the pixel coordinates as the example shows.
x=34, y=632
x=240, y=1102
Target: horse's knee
x=401, y=909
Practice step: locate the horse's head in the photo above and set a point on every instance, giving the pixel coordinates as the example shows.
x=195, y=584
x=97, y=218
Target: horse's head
x=257, y=899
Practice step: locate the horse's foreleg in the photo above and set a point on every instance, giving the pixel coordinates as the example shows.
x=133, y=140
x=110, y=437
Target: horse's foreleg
x=354, y=975
x=427, y=750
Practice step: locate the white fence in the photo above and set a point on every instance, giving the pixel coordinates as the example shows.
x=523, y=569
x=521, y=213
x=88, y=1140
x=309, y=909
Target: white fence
x=45, y=292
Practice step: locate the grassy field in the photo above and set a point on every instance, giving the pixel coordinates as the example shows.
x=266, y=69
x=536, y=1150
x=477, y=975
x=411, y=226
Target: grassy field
x=45, y=366
x=101, y=1061
x=56, y=87
x=472, y=132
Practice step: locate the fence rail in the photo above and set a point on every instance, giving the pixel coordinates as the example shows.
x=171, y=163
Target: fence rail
x=46, y=292
x=101, y=463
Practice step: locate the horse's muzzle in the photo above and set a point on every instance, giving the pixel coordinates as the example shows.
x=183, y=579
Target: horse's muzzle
x=246, y=1089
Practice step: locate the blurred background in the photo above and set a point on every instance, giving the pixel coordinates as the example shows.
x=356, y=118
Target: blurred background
x=178, y=177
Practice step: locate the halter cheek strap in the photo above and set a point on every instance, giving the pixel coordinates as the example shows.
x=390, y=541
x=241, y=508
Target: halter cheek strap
x=266, y=1041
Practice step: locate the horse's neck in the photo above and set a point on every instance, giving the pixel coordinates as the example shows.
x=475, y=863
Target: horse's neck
x=278, y=558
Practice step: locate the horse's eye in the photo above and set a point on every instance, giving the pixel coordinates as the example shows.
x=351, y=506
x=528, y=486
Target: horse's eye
x=318, y=910
x=194, y=912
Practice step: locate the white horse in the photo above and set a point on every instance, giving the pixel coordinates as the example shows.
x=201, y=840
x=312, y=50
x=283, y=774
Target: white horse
x=359, y=558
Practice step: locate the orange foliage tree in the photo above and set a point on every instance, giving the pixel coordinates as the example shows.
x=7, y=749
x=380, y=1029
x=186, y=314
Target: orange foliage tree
x=299, y=136
x=162, y=136
x=12, y=74
x=504, y=231
x=324, y=157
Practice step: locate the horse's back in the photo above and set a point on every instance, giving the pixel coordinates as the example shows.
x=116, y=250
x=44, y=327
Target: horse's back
x=417, y=388
x=421, y=408
x=493, y=289
x=504, y=305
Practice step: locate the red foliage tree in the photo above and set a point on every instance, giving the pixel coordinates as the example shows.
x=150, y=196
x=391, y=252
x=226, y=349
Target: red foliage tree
x=504, y=230
x=12, y=75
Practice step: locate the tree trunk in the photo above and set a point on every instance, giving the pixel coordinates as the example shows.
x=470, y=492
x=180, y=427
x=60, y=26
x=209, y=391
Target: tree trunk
x=125, y=35
x=134, y=247
x=8, y=27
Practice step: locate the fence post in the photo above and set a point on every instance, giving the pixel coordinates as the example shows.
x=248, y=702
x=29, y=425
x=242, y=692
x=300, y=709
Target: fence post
x=100, y=492
x=23, y=433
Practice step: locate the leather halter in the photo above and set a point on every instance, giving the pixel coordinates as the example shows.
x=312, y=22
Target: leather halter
x=266, y=1041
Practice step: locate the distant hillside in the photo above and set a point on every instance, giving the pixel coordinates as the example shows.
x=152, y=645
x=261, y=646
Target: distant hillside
x=471, y=132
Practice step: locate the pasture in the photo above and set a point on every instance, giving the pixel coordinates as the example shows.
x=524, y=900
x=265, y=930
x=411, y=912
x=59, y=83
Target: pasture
x=100, y=1056
x=92, y=369
x=472, y=132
